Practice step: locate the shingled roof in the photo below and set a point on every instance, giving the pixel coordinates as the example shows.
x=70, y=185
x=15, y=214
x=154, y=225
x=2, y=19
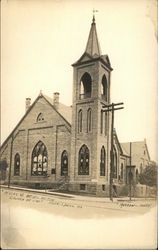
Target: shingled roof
x=93, y=47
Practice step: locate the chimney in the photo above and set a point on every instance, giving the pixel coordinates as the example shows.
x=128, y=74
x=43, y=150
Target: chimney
x=56, y=99
x=27, y=103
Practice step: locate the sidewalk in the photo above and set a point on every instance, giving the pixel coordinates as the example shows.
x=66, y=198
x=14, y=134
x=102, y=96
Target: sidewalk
x=78, y=197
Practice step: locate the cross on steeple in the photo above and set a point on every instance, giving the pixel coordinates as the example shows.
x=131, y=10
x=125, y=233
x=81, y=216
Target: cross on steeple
x=94, y=11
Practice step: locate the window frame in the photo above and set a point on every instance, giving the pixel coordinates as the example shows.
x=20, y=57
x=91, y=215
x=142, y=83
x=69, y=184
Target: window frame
x=83, y=160
x=104, y=88
x=115, y=167
x=36, y=162
x=40, y=117
x=89, y=120
x=102, y=161
x=64, y=156
x=82, y=187
x=85, y=86
x=80, y=121
x=17, y=167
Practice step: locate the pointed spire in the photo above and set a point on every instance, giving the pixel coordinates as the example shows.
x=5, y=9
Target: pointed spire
x=93, y=47
x=93, y=20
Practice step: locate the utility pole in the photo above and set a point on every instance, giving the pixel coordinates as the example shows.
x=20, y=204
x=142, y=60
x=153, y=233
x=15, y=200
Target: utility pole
x=130, y=173
x=111, y=108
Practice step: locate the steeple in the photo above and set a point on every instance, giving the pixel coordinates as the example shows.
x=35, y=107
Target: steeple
x=93, y=51
x=93, y=47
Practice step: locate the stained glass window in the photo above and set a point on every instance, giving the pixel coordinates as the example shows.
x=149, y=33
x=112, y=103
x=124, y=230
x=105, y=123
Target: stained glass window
x=39, y=159
x=83, y=161
x=17, y=164
x=102, y=161
x=64, y=163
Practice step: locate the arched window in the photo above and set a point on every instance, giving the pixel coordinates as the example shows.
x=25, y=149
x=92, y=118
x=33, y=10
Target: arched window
x=64, y=163
x=80, y=121
x=17, y=164
x=101, y=121
x=89, y=120
x=40, y=117
x=102, y=161
x=115, y=163
x=83, y=161
x=39, y=159
x=85, y=86
x=121, y=175
x=104, y=88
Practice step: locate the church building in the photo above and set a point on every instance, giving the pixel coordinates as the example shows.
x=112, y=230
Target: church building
x=68, y=147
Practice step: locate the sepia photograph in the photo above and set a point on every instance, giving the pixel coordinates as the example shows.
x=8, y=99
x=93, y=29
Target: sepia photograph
x=79, y=124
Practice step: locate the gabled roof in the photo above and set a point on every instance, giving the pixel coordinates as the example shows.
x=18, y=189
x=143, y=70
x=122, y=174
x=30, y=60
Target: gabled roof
x=137, y=147
x=105, y=58
x=85, y=57
x=122, y=151
x=126, y=146
x=64, y=111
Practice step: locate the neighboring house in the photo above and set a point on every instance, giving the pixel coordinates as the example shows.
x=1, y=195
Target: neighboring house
x=64, y=147
x=140, y=157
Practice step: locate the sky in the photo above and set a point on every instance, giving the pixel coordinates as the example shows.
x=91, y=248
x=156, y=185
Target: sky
x=41, y=39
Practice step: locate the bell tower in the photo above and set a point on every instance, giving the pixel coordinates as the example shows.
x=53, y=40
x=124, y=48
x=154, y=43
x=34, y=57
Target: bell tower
x=90, y=138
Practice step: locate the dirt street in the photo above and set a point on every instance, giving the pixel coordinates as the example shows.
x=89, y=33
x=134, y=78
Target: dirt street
x=42, y=220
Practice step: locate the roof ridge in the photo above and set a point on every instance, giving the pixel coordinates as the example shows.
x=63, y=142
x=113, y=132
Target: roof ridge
x=59, y=102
